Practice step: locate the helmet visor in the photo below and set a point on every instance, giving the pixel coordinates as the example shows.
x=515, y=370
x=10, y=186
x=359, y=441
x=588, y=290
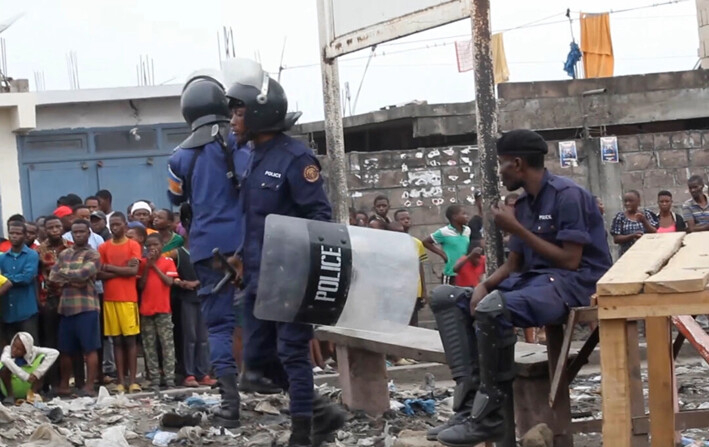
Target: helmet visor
x=248, y=73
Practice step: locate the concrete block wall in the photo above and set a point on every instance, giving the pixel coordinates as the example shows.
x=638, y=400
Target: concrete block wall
x=652, y=162
x=649, y=163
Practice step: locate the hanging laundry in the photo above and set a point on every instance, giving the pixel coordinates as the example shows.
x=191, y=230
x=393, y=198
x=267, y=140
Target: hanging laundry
x=499, y=59
x=464, y=56
x=572, y=59
x=596, y=45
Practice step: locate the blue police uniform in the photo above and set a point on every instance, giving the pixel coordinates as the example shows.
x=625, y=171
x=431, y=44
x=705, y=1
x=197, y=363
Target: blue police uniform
x=561, y=212
x=284, y=178
x=217, y=222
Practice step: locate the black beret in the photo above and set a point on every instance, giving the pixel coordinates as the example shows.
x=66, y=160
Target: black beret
x=521, y=141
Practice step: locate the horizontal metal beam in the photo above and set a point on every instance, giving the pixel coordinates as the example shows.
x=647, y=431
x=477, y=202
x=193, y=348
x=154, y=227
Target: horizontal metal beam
x=405, y=25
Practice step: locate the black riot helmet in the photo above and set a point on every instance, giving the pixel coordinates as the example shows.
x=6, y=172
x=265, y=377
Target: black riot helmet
x=263, y=97
x=203, y=103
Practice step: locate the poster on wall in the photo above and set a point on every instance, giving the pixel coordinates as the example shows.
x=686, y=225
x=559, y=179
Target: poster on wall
x=609, y=149
x=568, y=155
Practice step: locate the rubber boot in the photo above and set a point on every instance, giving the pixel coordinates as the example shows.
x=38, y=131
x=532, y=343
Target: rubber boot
x=473, y=432
x=327, y=419
x=300, y=432
x=496, y=339
x=463, y=397
x=255, y=382
x=455, y=327
x=227, y=415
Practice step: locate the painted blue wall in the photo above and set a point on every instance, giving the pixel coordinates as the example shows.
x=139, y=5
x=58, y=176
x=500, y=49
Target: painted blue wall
x=82, y=161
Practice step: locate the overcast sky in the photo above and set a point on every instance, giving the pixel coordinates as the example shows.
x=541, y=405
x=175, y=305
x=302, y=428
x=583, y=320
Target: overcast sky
x=180, y=36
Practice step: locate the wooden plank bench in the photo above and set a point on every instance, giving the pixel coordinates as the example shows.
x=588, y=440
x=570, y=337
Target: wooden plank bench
x=363, y=376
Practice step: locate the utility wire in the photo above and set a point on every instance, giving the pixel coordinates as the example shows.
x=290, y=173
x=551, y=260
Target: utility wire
x=532, y=24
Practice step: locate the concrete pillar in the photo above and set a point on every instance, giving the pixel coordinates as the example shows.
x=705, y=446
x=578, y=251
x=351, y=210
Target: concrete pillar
x=17, y=114
x=10, y=196
x=604, y=181
x=703, y=26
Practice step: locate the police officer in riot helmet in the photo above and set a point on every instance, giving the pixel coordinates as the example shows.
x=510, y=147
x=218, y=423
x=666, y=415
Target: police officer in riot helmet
x=204, y=172
x=284, y=178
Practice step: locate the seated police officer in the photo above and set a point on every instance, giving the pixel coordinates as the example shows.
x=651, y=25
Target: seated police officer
x=284, y=178
x=558, y=250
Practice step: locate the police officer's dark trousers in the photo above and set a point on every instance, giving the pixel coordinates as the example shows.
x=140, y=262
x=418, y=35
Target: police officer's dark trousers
x=218, y=313
x=292, y=345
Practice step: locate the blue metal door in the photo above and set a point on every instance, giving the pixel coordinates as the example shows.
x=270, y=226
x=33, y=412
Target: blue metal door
x=49, y=181
x=131, y=179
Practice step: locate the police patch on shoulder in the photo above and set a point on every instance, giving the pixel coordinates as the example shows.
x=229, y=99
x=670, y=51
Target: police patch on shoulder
x=311, y=173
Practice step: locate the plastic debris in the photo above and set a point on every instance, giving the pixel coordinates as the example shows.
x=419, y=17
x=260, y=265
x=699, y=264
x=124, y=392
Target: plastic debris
x=192, y=434
x=163, y=438
x=195, y=401
x=45, y=435
x=395, y=405
x=111, y=437
x=411, y=405
x=267, y=407
x=263, y=439
x=6, y=416
x=391, y=386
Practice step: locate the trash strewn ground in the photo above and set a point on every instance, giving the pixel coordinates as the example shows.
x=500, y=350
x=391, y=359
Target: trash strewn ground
x=120, y=421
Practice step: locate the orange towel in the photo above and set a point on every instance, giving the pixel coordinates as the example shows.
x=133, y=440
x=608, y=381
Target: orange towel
x=596, y=45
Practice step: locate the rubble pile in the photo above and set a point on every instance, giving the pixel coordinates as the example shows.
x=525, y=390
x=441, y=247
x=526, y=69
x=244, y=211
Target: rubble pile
x=181, y=420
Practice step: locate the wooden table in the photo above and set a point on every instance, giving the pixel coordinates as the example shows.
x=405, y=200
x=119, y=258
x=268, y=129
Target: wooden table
x=661, y=276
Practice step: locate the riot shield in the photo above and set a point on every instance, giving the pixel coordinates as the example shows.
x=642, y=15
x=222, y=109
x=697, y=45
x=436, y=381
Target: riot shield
x=336, y=275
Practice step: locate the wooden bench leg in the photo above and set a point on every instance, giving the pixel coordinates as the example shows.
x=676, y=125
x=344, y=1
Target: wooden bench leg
x=529, y=391
x=637, y=399
x=558, y=371
x=659, y=359
x=363, y=379
x=582, y=357
x=561, y=411
x=617, y=420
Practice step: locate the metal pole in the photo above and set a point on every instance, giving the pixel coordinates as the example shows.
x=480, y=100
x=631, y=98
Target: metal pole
x=486, y=113
x=334, y=135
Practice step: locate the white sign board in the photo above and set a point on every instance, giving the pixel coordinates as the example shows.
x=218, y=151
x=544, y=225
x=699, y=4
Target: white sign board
x=352, y=25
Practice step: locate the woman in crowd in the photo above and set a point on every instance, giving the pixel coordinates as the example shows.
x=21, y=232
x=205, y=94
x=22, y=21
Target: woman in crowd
x=628, y=226
x=667, y=220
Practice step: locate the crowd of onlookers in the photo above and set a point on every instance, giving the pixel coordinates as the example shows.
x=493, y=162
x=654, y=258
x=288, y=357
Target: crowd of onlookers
x=629, y=225
x=84, y=289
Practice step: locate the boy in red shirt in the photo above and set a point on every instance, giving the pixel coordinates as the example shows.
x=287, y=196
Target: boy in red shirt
x=157, y=273
x=120, y=258
x=470, y=268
